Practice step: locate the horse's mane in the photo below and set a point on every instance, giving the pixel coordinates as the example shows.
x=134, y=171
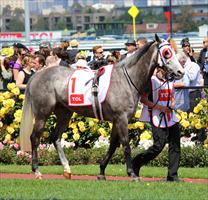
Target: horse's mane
x=135, y=57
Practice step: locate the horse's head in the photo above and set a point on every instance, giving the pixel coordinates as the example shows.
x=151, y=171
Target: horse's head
x=167, y=58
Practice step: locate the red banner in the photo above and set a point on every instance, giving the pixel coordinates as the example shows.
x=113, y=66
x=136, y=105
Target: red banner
x=46, y=35
x=168, y=15
x=10, y=36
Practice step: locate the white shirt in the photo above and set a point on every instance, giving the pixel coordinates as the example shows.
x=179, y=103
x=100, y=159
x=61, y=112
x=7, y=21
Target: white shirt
x=129, y=54
x=192, y=70
x=162, y=93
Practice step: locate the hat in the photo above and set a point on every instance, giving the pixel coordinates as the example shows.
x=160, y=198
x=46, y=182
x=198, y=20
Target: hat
x=5, y=45
x=45, y=44
x=20, y=45
x=74, y=43
x=80, y=63
x=130, y=42
x=185, y=42
x=7, y=52
x=63, y=40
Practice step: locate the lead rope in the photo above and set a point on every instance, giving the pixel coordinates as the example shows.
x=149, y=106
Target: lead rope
x=162, y=114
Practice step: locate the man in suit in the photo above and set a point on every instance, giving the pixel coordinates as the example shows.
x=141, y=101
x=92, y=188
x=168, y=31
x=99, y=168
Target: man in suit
x=130, y=47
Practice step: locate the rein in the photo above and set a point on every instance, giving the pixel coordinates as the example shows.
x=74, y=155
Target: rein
x=128, y=78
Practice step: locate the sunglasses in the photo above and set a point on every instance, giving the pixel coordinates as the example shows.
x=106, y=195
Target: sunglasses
x=100, y=52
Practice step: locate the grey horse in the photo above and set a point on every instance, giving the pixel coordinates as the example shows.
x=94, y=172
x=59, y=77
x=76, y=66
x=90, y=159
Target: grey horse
x=47, y=92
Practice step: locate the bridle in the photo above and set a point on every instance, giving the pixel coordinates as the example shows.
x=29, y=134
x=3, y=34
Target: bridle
x=164, y=66
x=165, y=59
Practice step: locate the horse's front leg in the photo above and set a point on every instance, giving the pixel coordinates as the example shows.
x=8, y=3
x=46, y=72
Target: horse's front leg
x=127, y=154
x=113, y=144
x=122, y=127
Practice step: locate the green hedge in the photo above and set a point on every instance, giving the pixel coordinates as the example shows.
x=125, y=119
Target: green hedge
x=190, y=157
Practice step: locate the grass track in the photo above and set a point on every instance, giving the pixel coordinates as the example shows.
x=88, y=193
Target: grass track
x=99, y=190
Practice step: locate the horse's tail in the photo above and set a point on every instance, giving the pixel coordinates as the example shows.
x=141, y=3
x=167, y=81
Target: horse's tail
x=26, y=126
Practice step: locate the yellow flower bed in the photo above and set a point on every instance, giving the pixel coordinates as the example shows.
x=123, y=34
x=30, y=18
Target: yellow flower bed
x=84, y=131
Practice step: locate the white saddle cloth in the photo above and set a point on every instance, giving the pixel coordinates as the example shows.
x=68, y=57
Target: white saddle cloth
x=79, y=86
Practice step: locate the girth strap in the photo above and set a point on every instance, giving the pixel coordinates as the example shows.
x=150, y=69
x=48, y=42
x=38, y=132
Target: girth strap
x=96, y=105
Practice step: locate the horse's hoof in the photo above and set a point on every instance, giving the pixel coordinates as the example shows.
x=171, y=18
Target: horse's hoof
x=101, y=177
x=67, y=175
x=39, y=176
x=135, y=179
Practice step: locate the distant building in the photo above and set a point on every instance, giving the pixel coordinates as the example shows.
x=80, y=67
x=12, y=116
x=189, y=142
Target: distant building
x=12, y=3
x=76, y=16
x=203, y=30
x=107, y=7
x=113, y=28
x=175, y=2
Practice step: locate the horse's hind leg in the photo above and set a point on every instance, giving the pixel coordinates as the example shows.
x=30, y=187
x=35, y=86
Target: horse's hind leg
x=113, y=145
x=35, y=141
x=63, y=116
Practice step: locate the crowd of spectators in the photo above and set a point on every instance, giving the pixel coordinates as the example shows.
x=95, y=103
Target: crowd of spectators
x=18, y=64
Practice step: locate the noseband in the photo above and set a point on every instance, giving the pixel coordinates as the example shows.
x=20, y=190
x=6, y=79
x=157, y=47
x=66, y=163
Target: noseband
x=164, y=61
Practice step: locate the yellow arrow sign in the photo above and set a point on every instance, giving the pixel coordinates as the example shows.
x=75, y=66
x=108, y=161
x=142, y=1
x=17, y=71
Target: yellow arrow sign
x=133, y=11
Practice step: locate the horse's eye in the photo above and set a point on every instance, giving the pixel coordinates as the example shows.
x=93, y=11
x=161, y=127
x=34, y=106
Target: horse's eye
x=167, y=53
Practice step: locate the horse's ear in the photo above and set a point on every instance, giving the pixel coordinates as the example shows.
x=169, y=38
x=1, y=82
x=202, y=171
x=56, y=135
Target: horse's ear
x=157, y=38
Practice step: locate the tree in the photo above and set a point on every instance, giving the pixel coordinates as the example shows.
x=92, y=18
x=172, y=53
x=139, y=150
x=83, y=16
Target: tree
x=185, y=20
x=151, y=17
x=18, y=12
x=16, y=24
x=7, y=11
x=61, y=24
x=41, y=24
x=17, y=19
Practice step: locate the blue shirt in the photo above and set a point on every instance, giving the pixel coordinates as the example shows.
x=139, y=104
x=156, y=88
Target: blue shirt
x=181, y=96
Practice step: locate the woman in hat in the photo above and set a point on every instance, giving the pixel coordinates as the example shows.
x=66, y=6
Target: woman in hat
x=81, y=62
x=186, y=46
x=73, y=51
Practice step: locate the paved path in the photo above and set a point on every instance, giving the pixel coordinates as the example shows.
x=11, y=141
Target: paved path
x=89, y=177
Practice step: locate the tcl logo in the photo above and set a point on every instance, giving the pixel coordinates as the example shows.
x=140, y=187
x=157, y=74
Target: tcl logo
x=164, y=94
x=77, y=98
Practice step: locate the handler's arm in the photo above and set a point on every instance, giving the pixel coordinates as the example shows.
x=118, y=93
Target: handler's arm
x=150, y=104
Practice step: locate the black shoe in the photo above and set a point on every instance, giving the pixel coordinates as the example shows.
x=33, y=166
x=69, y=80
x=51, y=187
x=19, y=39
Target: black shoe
x=173, y=179
x=136, y=169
